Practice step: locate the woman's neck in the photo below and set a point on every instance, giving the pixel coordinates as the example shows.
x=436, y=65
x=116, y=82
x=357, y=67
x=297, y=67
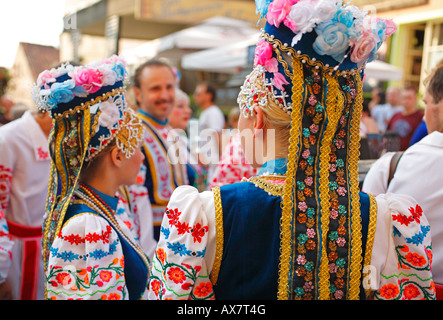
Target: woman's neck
x=103, y=184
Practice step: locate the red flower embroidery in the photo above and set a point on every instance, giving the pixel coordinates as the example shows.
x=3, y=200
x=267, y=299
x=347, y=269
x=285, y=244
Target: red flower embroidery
x=198, y=232
x=389, y=291
x=411, y=291
x=63, y=278
x=416, y=259
x=42, y=154
x=417, y=213
x=177, y=275
x=203, y=289
x=173, y=216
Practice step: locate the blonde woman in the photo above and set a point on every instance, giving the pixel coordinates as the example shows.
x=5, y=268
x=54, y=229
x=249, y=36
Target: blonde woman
x=300, y=229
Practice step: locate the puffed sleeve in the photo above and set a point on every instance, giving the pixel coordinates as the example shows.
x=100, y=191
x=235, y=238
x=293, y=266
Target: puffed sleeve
x=185, y=252
x=402, y=252
x=86, y=261
x=6, y=244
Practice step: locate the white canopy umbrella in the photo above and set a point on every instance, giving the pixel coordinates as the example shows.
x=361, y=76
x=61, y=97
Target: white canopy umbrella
x=225, y=59
x=383, y=71
x=213, y=32
x=231, y=58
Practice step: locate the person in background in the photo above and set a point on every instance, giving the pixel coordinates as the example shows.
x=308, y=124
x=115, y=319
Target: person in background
x=419, y=171
x=24, y=171
x=211, y=122
x=179, y=121
x=382, y=112
x=233, y=165
x=6, y=105
x=368, y=125
x=154, y=84
x=404, y=123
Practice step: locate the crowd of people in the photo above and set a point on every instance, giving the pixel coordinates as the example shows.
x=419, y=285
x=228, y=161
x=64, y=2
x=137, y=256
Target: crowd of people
x=100, y=199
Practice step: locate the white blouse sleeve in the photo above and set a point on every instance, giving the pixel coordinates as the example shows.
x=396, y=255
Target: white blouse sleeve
x=402, y=252
x=183, y=259
x=86, y=261
x=6, y=245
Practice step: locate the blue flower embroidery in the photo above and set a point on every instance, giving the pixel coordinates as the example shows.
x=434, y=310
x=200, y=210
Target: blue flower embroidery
x=67, y=256
x=179, y=249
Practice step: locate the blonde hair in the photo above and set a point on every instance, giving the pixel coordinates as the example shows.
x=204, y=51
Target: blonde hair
x=276, y=118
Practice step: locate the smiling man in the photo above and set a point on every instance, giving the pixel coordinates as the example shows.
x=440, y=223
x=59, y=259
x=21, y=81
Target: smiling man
x=154, y=89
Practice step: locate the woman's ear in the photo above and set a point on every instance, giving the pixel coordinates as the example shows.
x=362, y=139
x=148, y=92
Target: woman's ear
x=116, y=157
x=258, y=123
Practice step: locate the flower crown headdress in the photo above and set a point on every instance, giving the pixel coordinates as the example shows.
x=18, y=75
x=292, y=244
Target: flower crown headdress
x=326, y=33
x=89, y=110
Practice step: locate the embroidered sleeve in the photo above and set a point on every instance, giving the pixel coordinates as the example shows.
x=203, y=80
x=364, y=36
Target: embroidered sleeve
x=185, y=251
x=402, y=252
x=6, y=244
x=86, y=262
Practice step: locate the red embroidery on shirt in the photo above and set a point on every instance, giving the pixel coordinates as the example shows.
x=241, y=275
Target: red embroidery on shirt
x=42, y=154
x=90, y=237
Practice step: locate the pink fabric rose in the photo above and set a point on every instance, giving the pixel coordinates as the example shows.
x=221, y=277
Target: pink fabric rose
x=278, y=10
x=363, y=47
x=89, y=78
x=391, y=27
x=44, y=78
x=263, y=52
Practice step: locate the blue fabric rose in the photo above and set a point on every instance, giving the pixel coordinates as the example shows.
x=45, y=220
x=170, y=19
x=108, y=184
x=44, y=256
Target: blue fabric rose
x=61, y=92
x=120, y=70
x=332, y=40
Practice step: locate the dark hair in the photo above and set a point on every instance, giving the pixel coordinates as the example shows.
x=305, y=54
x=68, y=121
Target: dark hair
x=434, y=84
x=150, y=63
x=211, y=90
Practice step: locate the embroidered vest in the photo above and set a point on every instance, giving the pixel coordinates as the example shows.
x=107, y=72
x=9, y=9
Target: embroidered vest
x=251, y=245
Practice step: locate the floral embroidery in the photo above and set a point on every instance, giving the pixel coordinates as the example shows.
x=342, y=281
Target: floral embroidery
x=185, y=276
x=89, y=280
x=5, y=186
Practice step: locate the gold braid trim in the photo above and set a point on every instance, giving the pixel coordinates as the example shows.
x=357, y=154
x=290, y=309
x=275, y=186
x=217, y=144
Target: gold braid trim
x=333, y=116
x=371, y=235
x=65, y=200
x=353, y=156
x=219, y=235
x=288, y=200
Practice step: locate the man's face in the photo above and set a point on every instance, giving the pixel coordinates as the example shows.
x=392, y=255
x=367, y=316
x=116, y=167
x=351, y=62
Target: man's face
x=409, y=98
x=157, y=91
x=200, y=95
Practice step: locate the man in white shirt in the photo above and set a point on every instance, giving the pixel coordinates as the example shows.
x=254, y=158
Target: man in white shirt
x=419, y=172
x=24, y=177
x=211, y=123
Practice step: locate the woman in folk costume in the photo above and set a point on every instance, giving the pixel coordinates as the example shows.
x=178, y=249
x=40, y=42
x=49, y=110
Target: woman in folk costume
x=88, y=252
x=300, y=229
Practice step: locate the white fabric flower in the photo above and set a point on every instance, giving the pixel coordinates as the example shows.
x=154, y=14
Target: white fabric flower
x=109, y=115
